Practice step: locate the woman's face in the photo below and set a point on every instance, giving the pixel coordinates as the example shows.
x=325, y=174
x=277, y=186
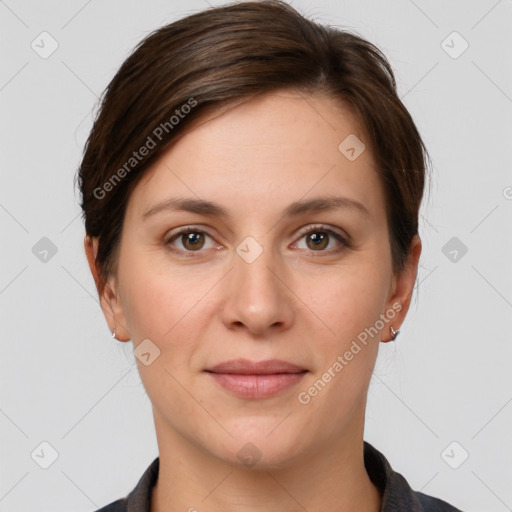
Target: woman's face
x=267, y=279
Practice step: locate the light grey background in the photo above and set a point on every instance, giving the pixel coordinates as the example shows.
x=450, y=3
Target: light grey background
x=447, y=378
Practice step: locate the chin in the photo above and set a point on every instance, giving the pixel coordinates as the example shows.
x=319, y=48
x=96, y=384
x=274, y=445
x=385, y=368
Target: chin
x=261, y=447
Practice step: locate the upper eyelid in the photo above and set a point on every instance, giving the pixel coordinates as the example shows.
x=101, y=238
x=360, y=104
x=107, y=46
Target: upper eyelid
x=323, y=227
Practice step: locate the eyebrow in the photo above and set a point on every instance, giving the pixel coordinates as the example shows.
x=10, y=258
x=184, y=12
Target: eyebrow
x=295, y=209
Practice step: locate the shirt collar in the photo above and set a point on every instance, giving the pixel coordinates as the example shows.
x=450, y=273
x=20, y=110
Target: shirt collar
x=397, y=495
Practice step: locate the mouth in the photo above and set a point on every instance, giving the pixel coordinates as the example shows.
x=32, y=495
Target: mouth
x=247, y=367
x=256, y=379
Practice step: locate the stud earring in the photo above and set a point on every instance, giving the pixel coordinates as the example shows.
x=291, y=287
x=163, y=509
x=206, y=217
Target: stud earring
x=114, y=333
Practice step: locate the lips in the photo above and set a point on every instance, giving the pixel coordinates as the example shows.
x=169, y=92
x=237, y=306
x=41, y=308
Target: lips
x=247, y=367
x=256, y=379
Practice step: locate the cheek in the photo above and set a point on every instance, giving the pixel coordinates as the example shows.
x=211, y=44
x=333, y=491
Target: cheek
x=347, y=303
x=349, y=306
x=159, y=301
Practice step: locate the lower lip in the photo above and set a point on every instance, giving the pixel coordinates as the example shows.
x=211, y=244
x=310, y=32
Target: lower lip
x=256, y=386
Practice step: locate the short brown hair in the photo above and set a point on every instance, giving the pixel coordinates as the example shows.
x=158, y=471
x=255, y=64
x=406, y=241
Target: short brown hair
x=220, y=57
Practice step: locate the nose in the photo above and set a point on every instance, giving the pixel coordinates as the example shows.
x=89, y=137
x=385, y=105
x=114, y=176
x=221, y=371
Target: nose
x=257, y=297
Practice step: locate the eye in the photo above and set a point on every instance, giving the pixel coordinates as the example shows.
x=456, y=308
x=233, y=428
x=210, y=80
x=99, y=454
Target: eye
x=192, y=239
x=318, y=237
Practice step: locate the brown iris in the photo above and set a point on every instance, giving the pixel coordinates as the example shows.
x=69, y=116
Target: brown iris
x=194, y=239
x=318, y=237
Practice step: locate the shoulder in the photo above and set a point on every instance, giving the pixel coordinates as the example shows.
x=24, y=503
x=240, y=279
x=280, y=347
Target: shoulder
x=431, y=504
x=115, y=506
x=139, y=498
x=397, y=494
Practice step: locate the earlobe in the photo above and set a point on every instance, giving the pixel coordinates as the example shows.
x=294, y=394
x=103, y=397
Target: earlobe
x=113, y=310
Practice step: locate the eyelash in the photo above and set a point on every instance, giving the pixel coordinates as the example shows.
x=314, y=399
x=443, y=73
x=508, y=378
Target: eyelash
x=345, y=243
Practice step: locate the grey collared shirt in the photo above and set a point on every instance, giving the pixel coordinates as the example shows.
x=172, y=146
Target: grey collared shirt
x=397, y=495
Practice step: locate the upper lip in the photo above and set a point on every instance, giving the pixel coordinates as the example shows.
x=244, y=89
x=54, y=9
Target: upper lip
x=247, y=367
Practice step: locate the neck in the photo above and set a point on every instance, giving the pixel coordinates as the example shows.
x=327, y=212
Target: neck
x=333, y=479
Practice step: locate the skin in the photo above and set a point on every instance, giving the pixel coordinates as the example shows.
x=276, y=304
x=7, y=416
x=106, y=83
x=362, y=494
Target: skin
x=295, y=302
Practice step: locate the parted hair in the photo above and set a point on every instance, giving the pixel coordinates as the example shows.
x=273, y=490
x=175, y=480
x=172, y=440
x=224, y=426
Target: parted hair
x=219, y=57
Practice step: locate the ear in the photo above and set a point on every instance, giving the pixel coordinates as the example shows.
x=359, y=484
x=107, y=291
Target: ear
x=109, y=297
x=402, y=287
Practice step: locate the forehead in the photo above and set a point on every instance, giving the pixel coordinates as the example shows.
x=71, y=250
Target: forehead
x=270, y=150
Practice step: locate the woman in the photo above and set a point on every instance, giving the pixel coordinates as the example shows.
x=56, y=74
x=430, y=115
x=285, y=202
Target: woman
x=250, y=190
